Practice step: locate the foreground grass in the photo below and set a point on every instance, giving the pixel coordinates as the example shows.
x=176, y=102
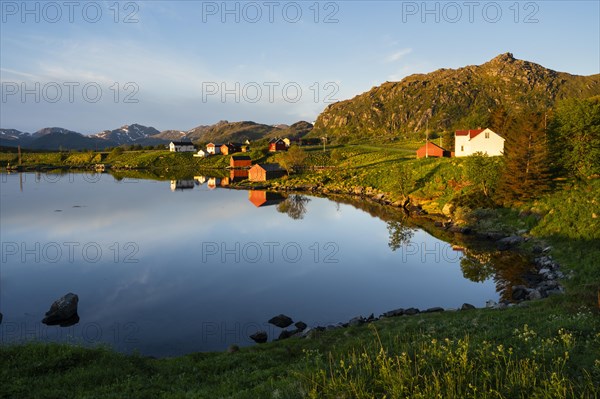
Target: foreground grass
x=542, y=350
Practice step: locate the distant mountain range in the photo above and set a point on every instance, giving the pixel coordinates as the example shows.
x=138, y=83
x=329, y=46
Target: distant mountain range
x=57, y=138
x=442, y=101
x=451, y=99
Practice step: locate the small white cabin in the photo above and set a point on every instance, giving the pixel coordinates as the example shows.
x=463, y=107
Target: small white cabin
x=212, y=148
x=469, y=142
x=181, y=146
x=201, y=154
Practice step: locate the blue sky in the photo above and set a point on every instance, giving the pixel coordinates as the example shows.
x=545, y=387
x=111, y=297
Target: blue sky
x=90, y=66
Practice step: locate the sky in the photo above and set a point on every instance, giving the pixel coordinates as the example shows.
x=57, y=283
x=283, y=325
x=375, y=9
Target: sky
x=96, y=65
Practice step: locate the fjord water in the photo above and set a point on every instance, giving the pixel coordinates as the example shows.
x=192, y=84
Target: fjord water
x=171, y=268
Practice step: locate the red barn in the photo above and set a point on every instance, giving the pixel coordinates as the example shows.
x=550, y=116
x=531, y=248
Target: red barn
x=277, y=145
x=265, y=171
x=230, y=148
x=240, y=161
x=432, y=150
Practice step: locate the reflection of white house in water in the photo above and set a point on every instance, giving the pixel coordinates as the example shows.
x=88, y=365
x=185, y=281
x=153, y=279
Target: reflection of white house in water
x=181, y=146
x=182, y=185
x=200, y=180
x=213, y=182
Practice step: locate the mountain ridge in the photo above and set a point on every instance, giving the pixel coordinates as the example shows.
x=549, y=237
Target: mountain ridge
x=55, y=138
x=449, y=99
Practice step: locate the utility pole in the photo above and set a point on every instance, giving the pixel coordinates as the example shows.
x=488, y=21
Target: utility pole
x=427, y=139
x=19, y=149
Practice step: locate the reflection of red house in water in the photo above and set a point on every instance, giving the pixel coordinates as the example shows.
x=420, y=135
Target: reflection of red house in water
x=264, y=198
x=238, y=175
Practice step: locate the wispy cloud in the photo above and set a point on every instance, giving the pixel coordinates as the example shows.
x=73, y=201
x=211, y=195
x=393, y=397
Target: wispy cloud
x=398, y=55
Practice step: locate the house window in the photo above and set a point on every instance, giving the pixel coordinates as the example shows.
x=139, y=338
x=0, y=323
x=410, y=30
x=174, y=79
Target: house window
x=462, y=148
x=487, y=135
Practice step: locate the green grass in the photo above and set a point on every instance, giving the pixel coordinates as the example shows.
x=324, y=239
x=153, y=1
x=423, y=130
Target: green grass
x=544, y=350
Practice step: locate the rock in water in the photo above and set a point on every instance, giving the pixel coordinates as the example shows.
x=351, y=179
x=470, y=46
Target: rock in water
x=300, y=325
x=286, y=334
x=260, y=337
x=411, y=311
x=281, y=321
x=63, y=311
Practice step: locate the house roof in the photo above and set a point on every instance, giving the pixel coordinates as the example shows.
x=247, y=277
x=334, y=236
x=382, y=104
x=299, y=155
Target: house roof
x=182, y=142
x=471, y=133
x=269, y=167
x=276, y=140
x=429, y=144
x=241, y=158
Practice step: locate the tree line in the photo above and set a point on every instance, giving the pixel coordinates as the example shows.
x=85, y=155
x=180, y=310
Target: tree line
x=539, y=147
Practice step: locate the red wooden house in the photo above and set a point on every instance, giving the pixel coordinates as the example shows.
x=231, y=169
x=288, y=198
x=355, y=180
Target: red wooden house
x=230, y=148
x=277, y=145
x=431, y=150
x=265, y=171
x=240, y=161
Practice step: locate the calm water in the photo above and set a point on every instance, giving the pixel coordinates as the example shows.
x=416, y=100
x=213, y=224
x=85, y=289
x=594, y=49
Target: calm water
x=173, y=267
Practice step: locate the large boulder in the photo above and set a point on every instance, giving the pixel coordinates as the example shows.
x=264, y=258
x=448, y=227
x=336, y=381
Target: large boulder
x=394, y=313
x=448, y=209
x=508, y=242
x=519, y=293
x=300, y=325
x=281, y=321
x=285, y=334
x=63, y=311
x=260, y=337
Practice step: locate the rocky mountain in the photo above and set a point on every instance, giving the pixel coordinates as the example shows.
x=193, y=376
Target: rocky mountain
x=294, y=131
x=169, y=135
x=450, y=99
x=130, y=134
x=13, y=137
x=225, y=131
x=64, y=139
x=56, y=138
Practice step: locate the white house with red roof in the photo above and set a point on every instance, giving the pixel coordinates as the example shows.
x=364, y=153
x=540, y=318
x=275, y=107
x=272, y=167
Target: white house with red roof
x=468, y=142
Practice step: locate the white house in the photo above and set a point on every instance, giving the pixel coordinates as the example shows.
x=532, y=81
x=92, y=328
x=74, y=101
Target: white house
x=212, y=148
x=468, y=142
x=181, y=146
x=200, y=154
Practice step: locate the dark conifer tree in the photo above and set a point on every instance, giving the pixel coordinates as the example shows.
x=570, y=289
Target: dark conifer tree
x=526, y=171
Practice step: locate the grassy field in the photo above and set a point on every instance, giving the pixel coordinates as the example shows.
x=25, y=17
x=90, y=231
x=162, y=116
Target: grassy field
x=543, y=349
